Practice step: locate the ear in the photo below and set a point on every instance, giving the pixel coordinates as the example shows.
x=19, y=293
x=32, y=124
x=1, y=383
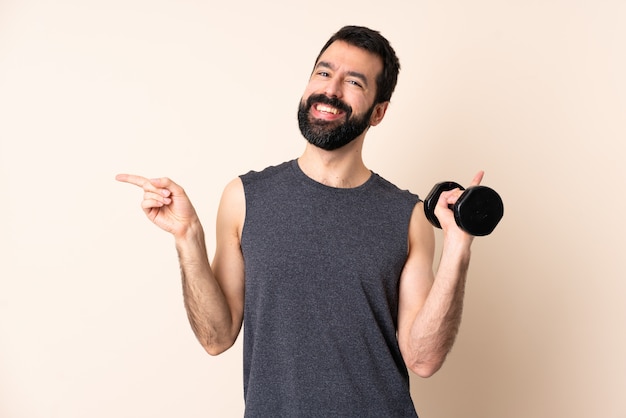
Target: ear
x=379, y=113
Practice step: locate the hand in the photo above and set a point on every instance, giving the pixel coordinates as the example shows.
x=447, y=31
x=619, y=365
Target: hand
x=165, y=203
x=444, y=214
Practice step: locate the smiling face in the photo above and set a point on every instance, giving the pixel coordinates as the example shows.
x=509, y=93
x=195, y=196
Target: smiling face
x=338, y=103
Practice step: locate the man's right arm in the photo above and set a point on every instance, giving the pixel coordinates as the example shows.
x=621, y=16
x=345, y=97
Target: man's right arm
x=213, y=294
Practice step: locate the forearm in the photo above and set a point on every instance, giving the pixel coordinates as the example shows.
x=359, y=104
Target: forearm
x=206, y=305
x=436, y=325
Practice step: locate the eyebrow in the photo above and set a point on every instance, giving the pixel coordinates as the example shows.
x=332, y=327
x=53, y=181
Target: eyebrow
x=360, y=76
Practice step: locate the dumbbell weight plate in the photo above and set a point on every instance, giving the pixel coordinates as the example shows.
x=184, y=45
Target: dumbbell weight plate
x=478, y=210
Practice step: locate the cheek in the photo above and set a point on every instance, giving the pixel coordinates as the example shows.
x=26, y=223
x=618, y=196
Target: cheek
x=305, y=95
x=311, y=88
x=359, y=105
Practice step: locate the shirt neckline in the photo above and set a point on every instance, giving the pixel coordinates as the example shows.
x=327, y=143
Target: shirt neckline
x=311, y=182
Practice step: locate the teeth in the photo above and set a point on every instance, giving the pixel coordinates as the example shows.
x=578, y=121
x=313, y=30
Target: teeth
x=327, y=109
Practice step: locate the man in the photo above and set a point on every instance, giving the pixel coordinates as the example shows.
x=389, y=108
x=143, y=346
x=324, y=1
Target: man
x=328, y=264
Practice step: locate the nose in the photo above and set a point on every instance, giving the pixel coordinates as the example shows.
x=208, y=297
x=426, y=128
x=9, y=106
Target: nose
x=333, y=88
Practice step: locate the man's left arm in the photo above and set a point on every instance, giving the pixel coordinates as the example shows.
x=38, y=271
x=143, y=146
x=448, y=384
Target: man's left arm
x=431, y=305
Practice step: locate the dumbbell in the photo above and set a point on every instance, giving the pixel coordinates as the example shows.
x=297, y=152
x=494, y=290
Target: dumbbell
x=477, y=211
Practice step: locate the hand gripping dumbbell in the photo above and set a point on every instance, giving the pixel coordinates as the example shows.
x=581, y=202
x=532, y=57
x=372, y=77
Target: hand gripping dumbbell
x=477, y=211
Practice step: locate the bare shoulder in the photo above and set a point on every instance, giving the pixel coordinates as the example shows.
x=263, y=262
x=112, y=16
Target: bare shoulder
x=421, y=233
x=232, y=208
x=233, y=191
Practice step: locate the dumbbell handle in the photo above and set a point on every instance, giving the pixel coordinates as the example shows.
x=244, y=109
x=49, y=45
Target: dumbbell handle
x=477, y=211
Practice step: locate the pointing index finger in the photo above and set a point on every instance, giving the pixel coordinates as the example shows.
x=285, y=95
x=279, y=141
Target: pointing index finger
x=132, y=179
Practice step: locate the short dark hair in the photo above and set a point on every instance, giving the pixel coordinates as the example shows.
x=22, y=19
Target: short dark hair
x=371, y=41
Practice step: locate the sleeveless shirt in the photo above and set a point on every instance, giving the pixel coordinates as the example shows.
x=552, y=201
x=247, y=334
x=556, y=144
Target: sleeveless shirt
x=322, y=267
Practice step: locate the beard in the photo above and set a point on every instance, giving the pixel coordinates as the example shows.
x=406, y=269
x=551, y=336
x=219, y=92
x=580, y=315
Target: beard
x=330, y=135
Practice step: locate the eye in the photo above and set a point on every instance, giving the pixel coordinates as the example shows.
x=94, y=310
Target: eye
x=323, y=74
x=355, y=83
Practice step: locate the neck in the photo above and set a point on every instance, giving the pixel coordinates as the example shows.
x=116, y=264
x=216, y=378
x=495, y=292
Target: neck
x=341, y=168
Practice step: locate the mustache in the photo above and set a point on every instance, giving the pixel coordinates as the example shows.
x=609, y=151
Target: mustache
x=330, y=101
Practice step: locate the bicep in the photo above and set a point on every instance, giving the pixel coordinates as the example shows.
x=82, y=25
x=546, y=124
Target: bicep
x=417, y=275
x=228, y=264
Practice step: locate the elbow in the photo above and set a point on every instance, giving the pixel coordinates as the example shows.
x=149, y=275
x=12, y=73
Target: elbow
x=425, y=370
x=213, y=342
x=215, y=349
x=216, y=346
x=426, y=359
x=426, y=367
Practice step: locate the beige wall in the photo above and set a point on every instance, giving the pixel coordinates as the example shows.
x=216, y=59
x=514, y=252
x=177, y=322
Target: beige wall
x=91, y=316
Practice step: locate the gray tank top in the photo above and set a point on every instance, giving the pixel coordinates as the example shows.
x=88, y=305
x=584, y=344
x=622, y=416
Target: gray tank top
x=322, y=267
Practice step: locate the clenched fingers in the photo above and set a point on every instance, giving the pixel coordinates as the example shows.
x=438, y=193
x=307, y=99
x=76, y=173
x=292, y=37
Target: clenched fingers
x=156, y=200
x=449, y=197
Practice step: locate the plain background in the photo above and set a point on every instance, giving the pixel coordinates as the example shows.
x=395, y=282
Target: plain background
x=91, y=315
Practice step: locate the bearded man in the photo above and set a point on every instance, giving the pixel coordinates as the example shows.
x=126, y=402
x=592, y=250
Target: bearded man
x=328, y=266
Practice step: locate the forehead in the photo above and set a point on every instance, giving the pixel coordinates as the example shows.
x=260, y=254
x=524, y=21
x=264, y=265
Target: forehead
x=343, y=56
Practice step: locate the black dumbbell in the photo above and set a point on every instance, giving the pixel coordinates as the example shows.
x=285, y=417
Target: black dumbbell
x=477, y=211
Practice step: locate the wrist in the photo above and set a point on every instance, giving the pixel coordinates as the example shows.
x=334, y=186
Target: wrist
x=190, y=236
x=457, y=245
